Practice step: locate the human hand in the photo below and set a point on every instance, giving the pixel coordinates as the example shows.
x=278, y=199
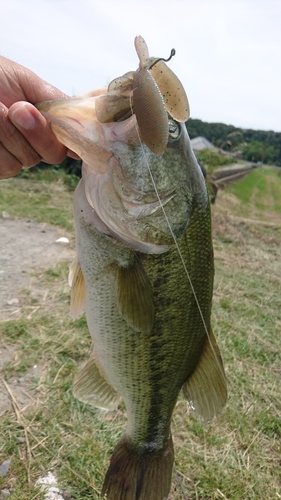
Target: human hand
x=26, y=137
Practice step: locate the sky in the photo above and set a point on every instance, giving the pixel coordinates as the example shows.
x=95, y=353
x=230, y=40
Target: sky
x=227, y=51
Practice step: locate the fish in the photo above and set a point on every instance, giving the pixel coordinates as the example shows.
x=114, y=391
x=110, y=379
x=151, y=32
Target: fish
x=144, y=268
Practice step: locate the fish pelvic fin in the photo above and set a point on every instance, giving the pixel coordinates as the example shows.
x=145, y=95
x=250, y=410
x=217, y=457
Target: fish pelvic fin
x=77, y=294
x=135, y=475
x=90, y=387
x=205, y=390
x=134, y=296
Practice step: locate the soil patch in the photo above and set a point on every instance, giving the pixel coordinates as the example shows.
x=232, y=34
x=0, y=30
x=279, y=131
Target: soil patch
x=26, y=249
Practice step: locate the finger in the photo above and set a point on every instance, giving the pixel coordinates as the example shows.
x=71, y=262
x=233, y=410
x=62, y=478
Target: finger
x=9, y=165
x=37, y=131
x=15, y=149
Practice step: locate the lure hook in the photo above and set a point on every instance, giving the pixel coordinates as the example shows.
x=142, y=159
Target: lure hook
x=173, y=52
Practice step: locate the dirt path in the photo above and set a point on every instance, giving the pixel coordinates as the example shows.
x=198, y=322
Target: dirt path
x=26, y=249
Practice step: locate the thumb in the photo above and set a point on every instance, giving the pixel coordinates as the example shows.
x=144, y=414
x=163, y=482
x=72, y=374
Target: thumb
x=37, y=131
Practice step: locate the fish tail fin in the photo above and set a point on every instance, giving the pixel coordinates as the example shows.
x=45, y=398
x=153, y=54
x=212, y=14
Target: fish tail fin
x=135, y=475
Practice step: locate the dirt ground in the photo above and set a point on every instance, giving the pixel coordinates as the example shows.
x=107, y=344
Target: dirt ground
x=26, y=249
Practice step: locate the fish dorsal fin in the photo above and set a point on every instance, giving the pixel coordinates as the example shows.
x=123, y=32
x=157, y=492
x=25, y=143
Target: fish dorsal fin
x=90, y=387
x=134, y=296
x=77, y=294
x=205, y=390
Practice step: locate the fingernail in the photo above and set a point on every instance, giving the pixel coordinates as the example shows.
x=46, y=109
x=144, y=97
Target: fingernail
x=23, y=118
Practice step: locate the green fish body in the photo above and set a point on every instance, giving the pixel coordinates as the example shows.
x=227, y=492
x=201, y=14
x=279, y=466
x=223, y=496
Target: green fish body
x=149, y=332
x=144, y=273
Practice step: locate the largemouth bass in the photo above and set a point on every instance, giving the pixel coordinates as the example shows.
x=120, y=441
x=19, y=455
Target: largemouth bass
x=144, y=269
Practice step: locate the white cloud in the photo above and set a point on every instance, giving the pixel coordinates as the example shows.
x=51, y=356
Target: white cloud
x=227, y=52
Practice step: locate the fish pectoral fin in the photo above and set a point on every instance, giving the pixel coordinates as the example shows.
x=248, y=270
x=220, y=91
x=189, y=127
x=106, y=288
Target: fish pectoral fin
x=90, y=387
x=77, y=294
x=134, y=296
x=205, y=390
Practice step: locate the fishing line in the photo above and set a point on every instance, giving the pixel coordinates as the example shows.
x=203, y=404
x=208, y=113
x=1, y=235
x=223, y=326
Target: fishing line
x=172, y=233
x=176, y=245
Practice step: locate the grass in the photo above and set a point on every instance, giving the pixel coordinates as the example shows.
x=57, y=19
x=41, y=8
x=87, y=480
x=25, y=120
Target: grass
x=261, y=191
x=41, y=196
x=235, y=457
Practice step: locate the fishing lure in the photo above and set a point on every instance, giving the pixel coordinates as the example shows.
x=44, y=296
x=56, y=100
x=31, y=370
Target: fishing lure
x=149, y=92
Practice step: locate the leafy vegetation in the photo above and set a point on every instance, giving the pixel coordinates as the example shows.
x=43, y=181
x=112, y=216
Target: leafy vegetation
x=256, y=145
x=235, y=457
x=212, y=160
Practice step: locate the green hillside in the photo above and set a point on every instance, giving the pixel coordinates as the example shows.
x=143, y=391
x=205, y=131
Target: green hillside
x=261, y=188
x=257, y=194
x=256, y=145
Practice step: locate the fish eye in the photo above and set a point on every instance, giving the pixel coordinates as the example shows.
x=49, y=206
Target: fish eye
x=174, y=130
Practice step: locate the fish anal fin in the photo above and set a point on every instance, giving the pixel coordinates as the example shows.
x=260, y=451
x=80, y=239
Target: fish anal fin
x=134, y=296
x=133, y=474
x=90, y=387
x=77, y=294
x=205, y=390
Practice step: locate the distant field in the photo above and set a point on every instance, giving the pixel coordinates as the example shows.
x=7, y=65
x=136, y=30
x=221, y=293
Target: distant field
x=260, y=190
x=237, y=456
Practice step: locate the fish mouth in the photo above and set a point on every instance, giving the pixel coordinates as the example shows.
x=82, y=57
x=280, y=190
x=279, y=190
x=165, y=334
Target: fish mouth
x=118, y=205
x=89, y=125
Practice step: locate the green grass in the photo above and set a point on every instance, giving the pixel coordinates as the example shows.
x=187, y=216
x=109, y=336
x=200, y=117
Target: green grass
x=237, y=456
x=41, y=196
x=261, y=189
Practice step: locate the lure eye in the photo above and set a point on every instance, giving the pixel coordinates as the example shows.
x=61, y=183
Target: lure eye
x=174, y=130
